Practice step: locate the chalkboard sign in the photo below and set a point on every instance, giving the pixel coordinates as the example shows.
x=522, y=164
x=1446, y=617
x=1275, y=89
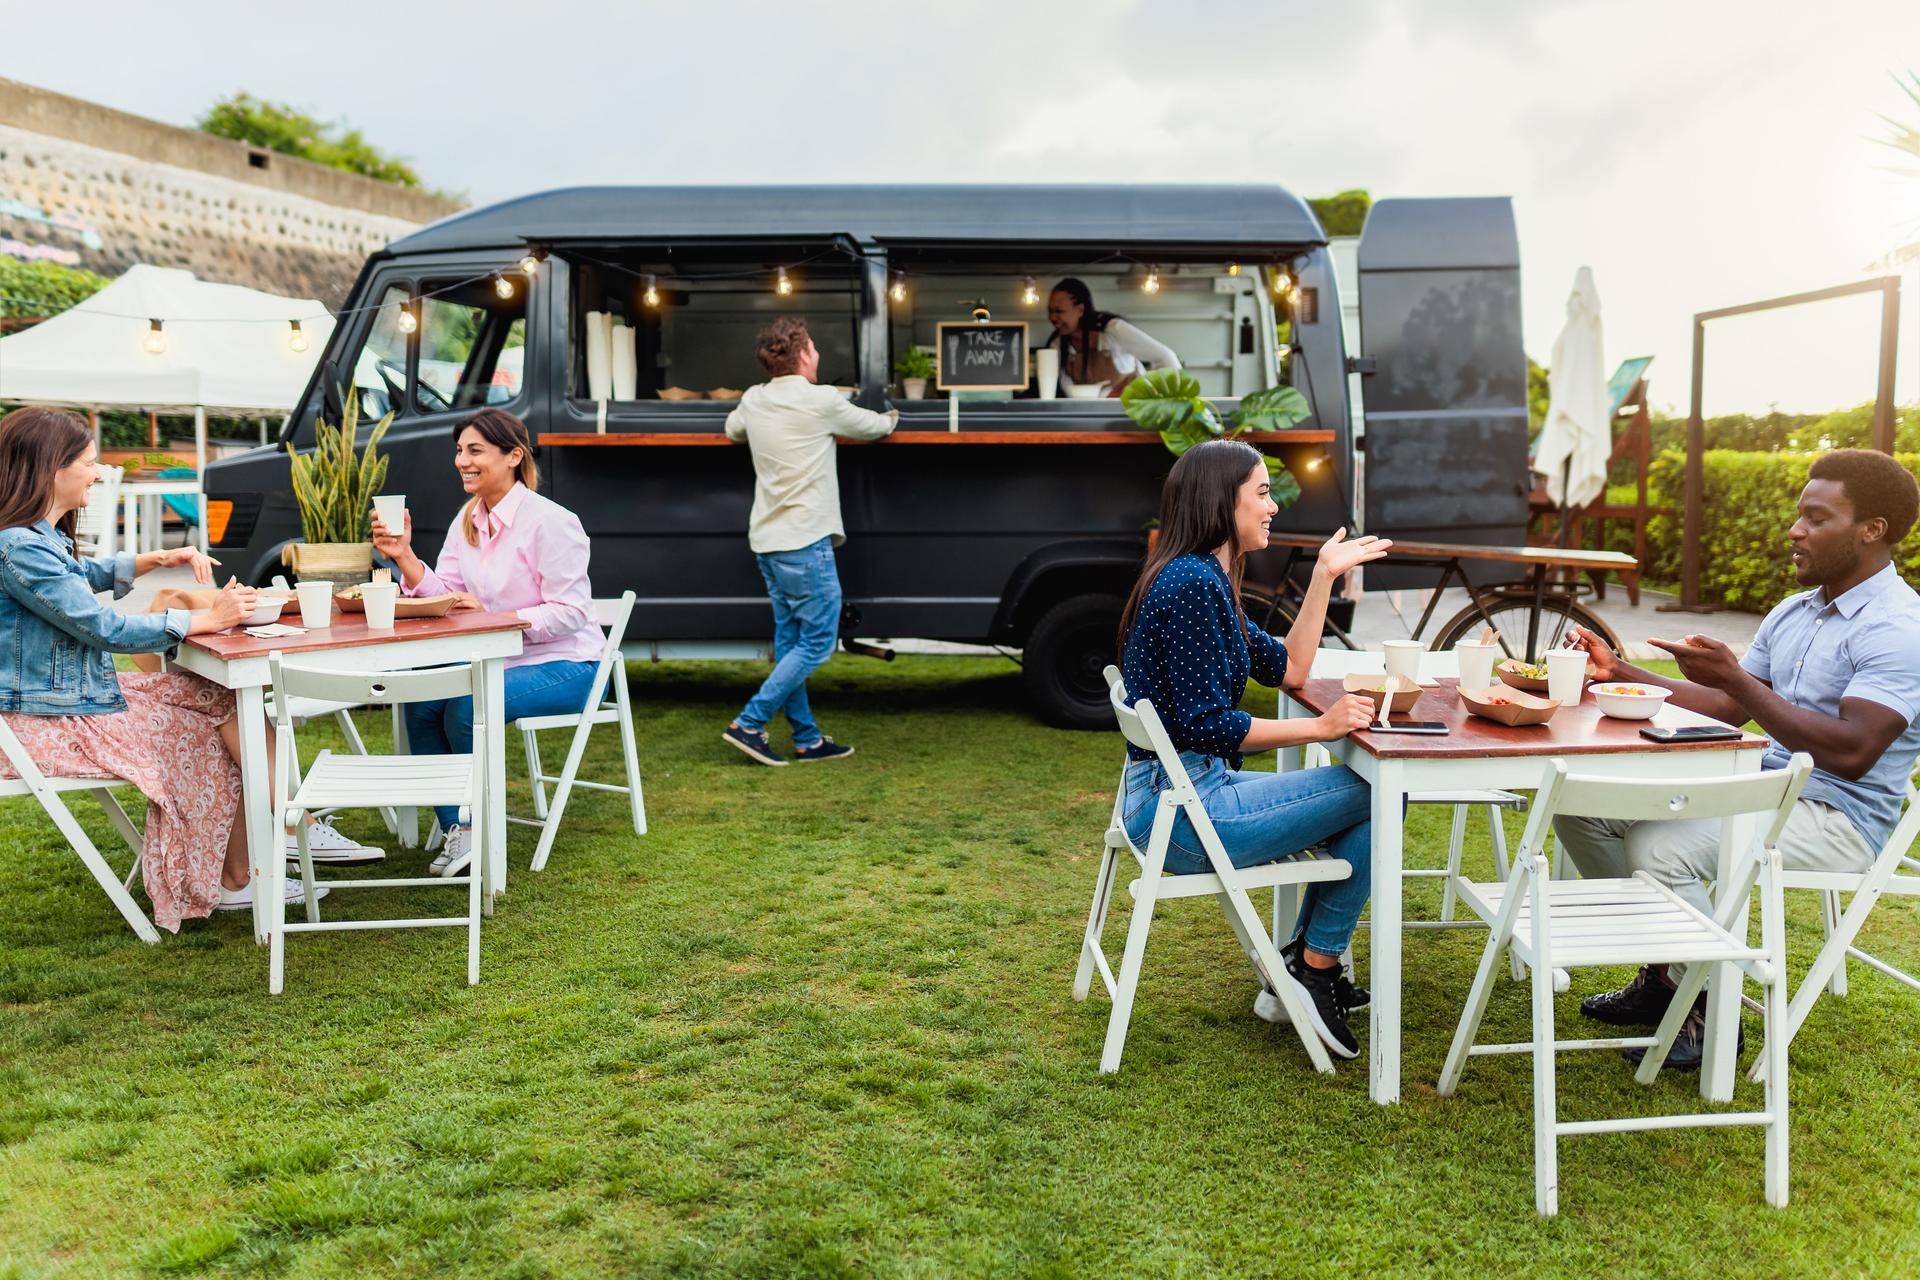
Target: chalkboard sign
x=990, y=356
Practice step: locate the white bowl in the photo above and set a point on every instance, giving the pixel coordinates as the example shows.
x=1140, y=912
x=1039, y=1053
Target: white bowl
x=264, y=612
x=1640, y=704
x=1087, y=391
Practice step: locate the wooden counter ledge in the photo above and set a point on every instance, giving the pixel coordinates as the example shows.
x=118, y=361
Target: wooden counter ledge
x=914, y=435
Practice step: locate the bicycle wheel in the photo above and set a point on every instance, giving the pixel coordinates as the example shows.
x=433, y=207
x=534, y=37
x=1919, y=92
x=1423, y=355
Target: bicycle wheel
x=1274, y=613
x=1510, y=610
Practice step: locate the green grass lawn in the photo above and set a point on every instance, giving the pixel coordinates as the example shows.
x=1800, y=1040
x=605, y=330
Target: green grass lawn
x=818, y=1022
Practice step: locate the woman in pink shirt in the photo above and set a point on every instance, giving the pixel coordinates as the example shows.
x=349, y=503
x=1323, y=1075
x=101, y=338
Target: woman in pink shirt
x=509, y=551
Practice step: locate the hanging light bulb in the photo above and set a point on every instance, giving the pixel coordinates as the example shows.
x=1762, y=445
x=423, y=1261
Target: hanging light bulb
x=531, y=263
x=1029, y=291
x=1233, y=268
x=502, y=288
x=899, y=290
x=156, y=343
x=1152, y=283
x=296, y=340
x=782, y=285
x=652, y=296
x=408, y=323
x=1282, y=283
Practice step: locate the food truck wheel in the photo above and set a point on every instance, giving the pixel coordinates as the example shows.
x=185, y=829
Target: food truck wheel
x=1066, y=653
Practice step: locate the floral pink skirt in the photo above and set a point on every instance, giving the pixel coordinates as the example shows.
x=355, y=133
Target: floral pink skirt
x=167, y=743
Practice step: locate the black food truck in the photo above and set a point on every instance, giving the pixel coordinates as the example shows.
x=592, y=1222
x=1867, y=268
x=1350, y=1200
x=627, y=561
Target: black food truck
x=619, y=323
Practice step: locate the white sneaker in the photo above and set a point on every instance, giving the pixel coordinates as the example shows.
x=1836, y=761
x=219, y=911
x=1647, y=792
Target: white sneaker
x=329, y=848
x=1267, y=1007
x=242, y=899
x=455, y=854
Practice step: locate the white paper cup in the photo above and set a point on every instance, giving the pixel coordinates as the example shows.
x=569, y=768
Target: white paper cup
x=1403, y=657
x=392, y=510
x=316, y=604
x=378, y=598
x=1046, y=371
x=1566, y=675
x=1476, y=663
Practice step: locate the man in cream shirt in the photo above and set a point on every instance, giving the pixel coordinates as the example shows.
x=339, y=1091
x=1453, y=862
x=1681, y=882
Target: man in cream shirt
x=790, y=423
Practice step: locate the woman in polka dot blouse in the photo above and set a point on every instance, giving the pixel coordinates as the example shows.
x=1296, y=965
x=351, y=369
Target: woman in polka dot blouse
x=1187, y=647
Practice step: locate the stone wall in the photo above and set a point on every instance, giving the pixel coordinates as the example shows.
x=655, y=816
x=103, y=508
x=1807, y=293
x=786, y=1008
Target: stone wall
x=91, y=187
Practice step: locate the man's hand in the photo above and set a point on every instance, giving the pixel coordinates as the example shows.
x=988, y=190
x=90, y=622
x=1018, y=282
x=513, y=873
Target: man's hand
x=1600, y=654
x=189, y=555
x=1339, y=556
x=1703, y=660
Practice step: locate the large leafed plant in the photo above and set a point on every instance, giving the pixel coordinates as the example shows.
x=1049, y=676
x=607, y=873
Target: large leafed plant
x=335, y=486
x=1169, y=401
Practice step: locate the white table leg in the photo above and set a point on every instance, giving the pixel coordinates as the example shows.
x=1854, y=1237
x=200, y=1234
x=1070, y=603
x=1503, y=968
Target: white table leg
x=256, y=791
x=1389, y=793
x=1720, y=1055
x=496, y=797
x=131, y=502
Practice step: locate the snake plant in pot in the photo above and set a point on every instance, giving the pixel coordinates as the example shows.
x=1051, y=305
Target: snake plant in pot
x=334, y=487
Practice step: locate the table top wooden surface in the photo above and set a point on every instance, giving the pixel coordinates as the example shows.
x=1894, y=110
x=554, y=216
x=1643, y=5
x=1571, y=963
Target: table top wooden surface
x=919, y=434
x=350, y=631
x=1551, y=556
x=1574, y=731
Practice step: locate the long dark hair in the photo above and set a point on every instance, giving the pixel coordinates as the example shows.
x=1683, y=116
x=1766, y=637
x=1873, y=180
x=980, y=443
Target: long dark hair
x=35, y=443
x=1196, y=517
x=506, y=433
x=1091, y=322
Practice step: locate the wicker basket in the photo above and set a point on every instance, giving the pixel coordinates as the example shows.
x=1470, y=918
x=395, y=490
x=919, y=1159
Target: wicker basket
x=341, y=563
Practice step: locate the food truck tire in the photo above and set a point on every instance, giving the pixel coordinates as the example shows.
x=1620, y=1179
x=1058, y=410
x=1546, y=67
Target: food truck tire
x=1066, y=653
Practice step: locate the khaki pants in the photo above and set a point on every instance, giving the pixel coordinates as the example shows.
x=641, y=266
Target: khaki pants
x=1680, y=855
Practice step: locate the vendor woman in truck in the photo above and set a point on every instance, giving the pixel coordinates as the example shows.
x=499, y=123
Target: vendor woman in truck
x=1098, y=346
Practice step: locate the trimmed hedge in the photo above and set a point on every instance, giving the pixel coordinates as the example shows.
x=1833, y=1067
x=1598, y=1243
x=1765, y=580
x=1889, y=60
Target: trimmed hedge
x=1750, y=501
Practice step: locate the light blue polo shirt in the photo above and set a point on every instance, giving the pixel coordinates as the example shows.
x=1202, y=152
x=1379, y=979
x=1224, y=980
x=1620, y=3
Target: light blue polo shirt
x=1866, y=644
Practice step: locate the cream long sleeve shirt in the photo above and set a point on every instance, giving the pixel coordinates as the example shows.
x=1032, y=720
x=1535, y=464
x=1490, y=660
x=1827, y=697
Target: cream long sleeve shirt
x=790, y=425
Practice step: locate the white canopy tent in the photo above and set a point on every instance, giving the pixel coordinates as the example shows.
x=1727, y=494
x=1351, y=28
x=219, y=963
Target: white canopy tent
x=221, y=347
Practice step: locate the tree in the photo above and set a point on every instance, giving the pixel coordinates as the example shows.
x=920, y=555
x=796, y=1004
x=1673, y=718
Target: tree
x=1904, y=135
x=279, y=127
x=1344, y=214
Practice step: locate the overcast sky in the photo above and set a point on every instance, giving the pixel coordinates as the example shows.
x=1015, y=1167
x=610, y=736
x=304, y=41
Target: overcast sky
x=1694, y=154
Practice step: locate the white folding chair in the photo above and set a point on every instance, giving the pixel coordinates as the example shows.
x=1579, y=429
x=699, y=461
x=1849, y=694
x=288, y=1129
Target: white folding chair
x=96, y=525
x=365, y=781
x=1227, y=884
x=1894, y=871
x=601, y=709
x=30, y=781
x=1556, y=925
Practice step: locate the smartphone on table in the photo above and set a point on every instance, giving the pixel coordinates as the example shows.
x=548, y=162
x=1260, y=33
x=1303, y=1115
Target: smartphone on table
x=1691, y=733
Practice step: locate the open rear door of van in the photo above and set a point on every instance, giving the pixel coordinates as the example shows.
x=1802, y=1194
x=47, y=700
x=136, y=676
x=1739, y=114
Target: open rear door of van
x=1444, y=379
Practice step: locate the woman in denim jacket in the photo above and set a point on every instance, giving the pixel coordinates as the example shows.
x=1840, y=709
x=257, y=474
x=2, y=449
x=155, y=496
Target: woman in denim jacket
x=1187, y=648
x=169, y=733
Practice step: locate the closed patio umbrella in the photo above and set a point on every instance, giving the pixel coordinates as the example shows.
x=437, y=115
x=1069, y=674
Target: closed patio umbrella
x=1577, y=441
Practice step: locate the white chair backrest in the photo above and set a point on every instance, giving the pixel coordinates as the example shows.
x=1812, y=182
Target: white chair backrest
x=1142, y=726
x=95, y=522
x=26, y=772
x=430, y=684
x=1657, y=800
x=612, y=614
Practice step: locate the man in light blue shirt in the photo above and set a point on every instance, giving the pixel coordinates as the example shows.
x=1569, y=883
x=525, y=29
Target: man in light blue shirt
x=1833, y=671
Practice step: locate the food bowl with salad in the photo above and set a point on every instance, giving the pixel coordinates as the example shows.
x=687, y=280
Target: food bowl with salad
x=1624, y=700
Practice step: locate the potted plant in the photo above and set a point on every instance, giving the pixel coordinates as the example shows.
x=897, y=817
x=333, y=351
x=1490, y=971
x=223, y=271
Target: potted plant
x=914, y=368
x=334, y=488
x=1169, y=401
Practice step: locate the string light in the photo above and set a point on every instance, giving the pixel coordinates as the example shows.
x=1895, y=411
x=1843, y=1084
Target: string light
x=1233, y=268
x=156, y=343
x=1029, y=291
x=782, y=285
x=296, y=341
x=652, y=296
x=531, y=263
x=408, y=322
x=502, y=288
x=1152, y=283
x=1282, y=284
x=899, y=290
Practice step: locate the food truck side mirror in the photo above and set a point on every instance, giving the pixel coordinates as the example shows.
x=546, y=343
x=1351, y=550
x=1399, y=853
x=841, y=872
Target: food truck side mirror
x=333, y=397
x=1246, y=335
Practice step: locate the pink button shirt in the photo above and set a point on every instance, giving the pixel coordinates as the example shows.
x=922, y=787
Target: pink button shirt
x=533, y=564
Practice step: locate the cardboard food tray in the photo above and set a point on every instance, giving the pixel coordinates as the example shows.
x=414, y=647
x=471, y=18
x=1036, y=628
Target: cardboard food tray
x=1504, y=673
x=404, y=607
x=1405, y=691
x=1515, y=706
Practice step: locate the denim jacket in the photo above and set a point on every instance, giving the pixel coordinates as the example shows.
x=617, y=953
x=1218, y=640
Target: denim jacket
x=56, y=640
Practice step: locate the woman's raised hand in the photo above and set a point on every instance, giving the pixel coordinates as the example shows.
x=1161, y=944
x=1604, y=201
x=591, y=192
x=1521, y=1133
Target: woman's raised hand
x=1341, y=554
x=1353, y=711
x=189, y=555
x=393, y=543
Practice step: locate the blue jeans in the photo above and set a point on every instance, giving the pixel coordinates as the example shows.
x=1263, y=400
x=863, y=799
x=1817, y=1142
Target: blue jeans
x=445, y=726
x=1262, y=817
x=804, y=588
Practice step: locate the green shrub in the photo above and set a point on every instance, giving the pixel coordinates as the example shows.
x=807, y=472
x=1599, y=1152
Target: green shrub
x=1750, y=500
x=40, y=289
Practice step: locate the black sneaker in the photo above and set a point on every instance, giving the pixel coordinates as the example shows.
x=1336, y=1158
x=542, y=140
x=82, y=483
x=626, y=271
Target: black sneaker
x=1641, y=1003
x=825, y=749
x=1690, y=1045
x=753, y=742
x=1355, y=997
x=1319, y=990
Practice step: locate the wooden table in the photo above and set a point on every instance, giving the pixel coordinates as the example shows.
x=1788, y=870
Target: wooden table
x=238, y=661
x=1478, y=753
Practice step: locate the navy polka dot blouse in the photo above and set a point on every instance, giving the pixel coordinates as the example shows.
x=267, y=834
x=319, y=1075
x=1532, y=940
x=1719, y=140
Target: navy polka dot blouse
x=1188, y=655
